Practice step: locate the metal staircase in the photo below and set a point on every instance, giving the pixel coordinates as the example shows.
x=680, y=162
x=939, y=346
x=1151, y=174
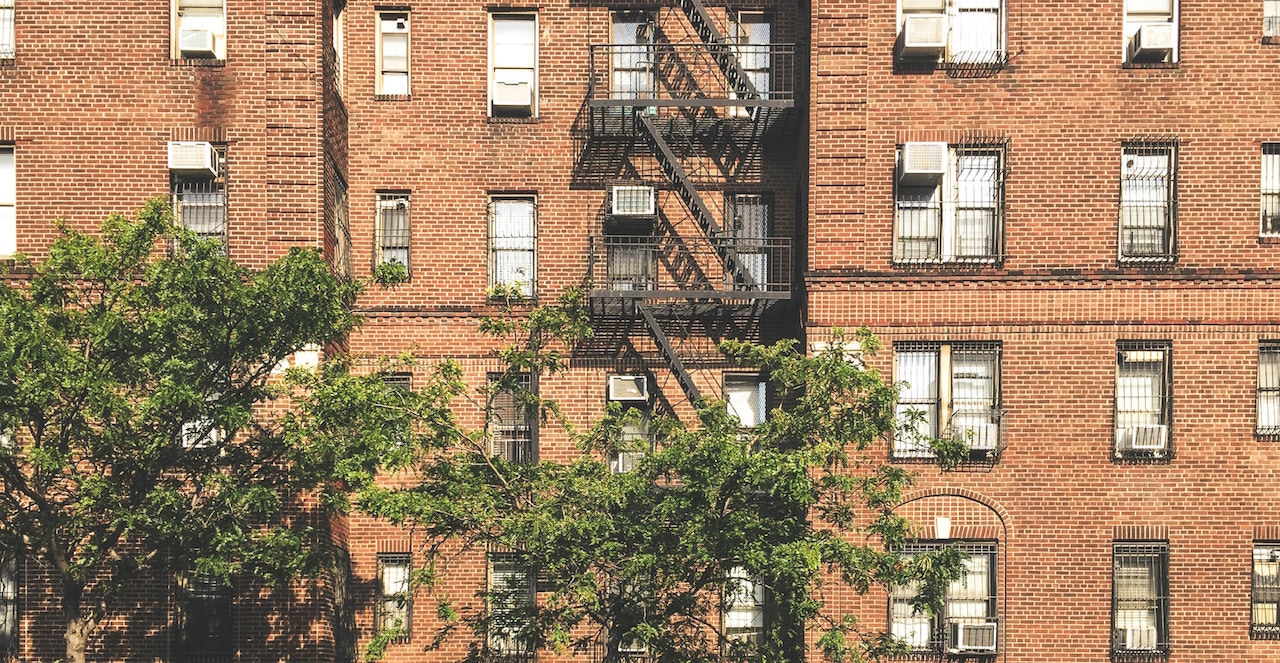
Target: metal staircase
x=721, y=50
x=669, y=353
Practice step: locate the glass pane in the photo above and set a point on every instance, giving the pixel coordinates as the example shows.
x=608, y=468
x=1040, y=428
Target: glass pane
x=514, y=42
x=8, y=231
x=395, y=83
x=745, y=398
x=977, y=32
x=395, y=578
x=8, y=179
x=513, y=224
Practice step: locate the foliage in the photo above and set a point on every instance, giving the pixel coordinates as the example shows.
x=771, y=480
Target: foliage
x=136, y=384
x=653, y=555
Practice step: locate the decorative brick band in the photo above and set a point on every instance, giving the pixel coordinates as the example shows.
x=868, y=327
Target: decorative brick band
x=397, y=545
x=962, y=533
x=6, y=134
x=1140, y=533
x=967, y=494
x=1266, y=532
x=204, y=134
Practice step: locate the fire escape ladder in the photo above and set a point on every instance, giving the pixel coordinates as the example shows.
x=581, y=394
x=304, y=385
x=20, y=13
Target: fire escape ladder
x=676, y=174
x=669, y=353
x=721, y=50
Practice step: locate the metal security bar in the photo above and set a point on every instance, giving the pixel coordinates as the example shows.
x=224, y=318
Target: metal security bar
x=200, y=204
x=206, y=615
x=1271, y=19
x=8, y=609
x=394, y=607
x=1144, y=401
x=1271, y=186
x=1268, y=398
x=1148, y=201
x=511, y=601
x=661, y=74
x=959, y=216
x=7, y=50
x=955, y=383
x=1264, y=620
x=642, y=266
x=399, y=380
x=977, y=38
x=394, y=232
x=341, y=230
x=969, y=622
x=513, y=239
x=511, y=422
x=1140, y=599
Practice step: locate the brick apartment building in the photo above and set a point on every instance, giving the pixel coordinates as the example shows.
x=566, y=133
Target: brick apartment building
x=1061, y=219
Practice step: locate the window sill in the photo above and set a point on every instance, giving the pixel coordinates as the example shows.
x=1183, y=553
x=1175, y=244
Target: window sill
x=391, y=97
x=1130, y=457
x=197, y=62
x=1149, y=65
x=1268, y=240
x=8, y=61
x=1271, y=41
x=499, y=119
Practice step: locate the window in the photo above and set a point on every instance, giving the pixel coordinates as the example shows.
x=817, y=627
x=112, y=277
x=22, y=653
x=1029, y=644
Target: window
x=1268, y=421
x=199, y=30
x=1270, y=21
x=511, y=605
x=395, y=596
x=633, y=63
x=393, y=228
x=1148, y=201
x=513, y=62
x=748, y=216
x=1264, y=622
x=8, y=202
x=968, y=621
x=339, y=13
x=8, y=607
x=1144, y=400
x=341, y=229
x=745, y=396
x=201, y=433
x=1270, y=187
x=393, y=54
x=205, y=618
x=950, y=203
x=964, y=34
x=1150, y=32
x=511, y=419
x=743, y=607
x=7, y=50
x=632, y=392
x=513, y=241
x=751, y=33
x=400, y=380
x=955, y=387
x=1140, y=597
x=200, y=196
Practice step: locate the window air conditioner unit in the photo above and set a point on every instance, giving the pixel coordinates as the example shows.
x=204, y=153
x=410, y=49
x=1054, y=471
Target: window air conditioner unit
x=923, y=35
x=194, y=435
x=633, y=647
x=192, y=159
x=512, y=94
x=633, y=200
x=1141, y=438
x=196, y=43
x=981, y=437
x=1140, y=638
x=624, y=462
x=935, y=6
x=972, y=637
x=1152, y=42
x=923, y=163
x=628, y=388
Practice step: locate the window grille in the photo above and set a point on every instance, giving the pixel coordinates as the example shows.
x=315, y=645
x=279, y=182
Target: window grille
x=1271, y=19
x=971, y=601
x=632, y=262
x=971, y=373
x=400, y=380
x=1268, y=422
x=1144, y=401
x=395, y=594
x=513, y=240
x=749, y=221
x=1148, y=201
x=394, y=232
x=7, y=50
x=960, y=218
x=511, y=606
x=511, y=420
x=200, y=204
x=1264, y=620
x=1271, y=186
x=8, y=608
x=977, y=38
x=341, y=230
x=206, y=615
x=744, y=607
x=1140, y=598
x=393, y=53
x=633, y=62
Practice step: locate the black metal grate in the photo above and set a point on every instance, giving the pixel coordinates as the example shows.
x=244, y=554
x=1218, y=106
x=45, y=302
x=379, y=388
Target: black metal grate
x=341, y=230
x=395, y=594
x=1144, y=401
x=399, y=380
x=1268, y=398
x=511, y=421
x=511, y=604
x=513, y=240
x=971, y=372
x=8, y=609
x=1270, y=187
x=1264, y=620
x=1140, y=599
x=968, y=623
x=206, y=615
x=1148, y=201
x=959, y=217
x=394, y=232
x=200, y=204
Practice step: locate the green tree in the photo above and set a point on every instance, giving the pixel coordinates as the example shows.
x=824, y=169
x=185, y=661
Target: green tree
x=142, y=422
x=712, y=518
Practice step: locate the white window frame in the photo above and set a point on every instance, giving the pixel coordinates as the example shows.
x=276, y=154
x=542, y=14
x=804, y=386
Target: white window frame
x=743, y=393
x=202, y=15
x=8, y=201
x=744, y=618
x=960, y=189
x=954, y=9
x=1269, y=187
x=339, y=43
x=507, y=73
x=1138, y=13
x=503, y=243
x=387, y=201
x=392, y=19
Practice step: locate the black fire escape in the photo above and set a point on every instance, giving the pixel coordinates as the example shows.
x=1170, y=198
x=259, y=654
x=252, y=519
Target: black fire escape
x=679, y=112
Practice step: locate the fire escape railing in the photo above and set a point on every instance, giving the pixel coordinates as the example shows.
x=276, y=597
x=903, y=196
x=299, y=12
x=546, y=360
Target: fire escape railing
x=690, y=75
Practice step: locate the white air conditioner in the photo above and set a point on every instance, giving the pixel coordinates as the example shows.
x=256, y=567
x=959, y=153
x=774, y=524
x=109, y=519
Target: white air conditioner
x=633, y=647
x=197, y=434
x=972, y=637
x=628, y=388
x=1140, y=638
x=923, y=35
x=923, y=163
x=196, y=43
x=625, y=461
x=192, y=159
x=935, y=6
x=1152, y=42
x=633, y=200
x=512, y=94
x=1149, y=437
x=981, y=437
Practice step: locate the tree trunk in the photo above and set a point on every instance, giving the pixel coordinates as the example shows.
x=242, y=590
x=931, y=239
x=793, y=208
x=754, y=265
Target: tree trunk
x=79, y=625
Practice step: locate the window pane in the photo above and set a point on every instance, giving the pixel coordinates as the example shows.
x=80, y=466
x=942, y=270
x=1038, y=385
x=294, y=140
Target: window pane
x=513, y=224
x=745, y=398
x=977, y=33
x=395, y=52
x=8, y=179
x=514, y=42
